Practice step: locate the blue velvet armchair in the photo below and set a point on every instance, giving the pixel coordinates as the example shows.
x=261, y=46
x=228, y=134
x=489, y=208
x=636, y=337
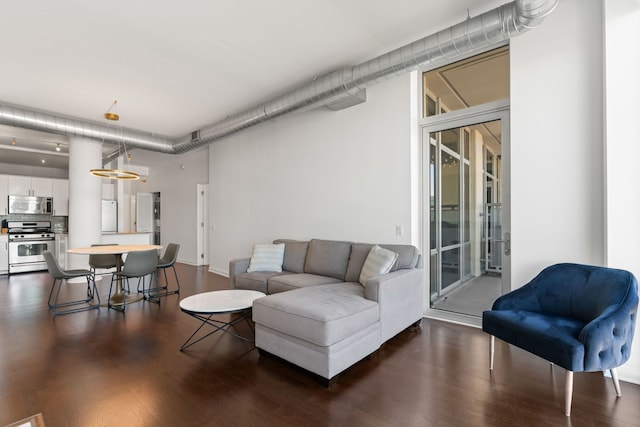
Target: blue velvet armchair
x=579, y=317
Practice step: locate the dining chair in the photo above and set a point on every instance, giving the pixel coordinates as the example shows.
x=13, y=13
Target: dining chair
x=138, y=264
x=104, y=261
x=61, y=276
x=168, y=260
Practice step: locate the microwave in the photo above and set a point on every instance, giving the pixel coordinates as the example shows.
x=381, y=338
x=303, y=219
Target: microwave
x=30, y=205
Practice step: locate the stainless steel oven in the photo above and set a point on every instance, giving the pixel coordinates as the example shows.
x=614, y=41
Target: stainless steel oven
x=27, y=242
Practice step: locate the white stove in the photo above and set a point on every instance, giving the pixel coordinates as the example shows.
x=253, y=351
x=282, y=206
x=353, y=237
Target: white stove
x=27, y=242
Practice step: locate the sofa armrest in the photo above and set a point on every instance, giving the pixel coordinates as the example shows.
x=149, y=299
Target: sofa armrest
x=237, y=266
x=607, y=339
x=400, y=295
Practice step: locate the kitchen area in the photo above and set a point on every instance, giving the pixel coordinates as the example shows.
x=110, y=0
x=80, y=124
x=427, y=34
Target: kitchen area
x=34, y=217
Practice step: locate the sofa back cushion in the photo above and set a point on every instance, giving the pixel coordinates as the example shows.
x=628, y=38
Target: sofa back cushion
x=295, y=254
x=327, y=258
x=359, y=252
x=408, y=257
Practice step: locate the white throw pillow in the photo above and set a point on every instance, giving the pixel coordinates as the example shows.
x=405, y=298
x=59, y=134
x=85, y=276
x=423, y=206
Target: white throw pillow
x=267, y=257
x=379, y=261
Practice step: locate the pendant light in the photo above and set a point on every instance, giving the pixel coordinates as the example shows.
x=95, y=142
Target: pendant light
x=112, y=116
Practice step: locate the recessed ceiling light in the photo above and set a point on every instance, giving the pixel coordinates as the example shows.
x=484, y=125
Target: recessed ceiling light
x=13, y=141
x=43, y=161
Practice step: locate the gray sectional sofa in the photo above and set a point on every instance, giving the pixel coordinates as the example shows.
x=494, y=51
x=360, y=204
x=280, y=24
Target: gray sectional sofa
x=318, y=315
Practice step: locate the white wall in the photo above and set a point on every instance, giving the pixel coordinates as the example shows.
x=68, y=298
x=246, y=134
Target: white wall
x=322, y=174
x=557, y=192
x=622, y=140
x=177, y=187
x=559, y=208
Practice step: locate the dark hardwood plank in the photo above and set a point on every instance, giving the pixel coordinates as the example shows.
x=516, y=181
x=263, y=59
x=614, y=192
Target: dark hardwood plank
x=103, y=368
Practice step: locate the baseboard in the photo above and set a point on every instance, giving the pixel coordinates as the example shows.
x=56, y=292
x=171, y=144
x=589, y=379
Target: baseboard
x=184, y=261
x=223, y=273
x=629, y=375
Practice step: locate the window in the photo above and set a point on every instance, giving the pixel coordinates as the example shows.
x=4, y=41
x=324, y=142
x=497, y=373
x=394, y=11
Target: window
x=473, y=81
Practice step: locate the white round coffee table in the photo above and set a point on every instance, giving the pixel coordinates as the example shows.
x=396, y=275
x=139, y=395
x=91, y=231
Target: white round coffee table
x=205, y=305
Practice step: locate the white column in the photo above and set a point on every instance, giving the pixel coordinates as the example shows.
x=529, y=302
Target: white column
x=85, y=195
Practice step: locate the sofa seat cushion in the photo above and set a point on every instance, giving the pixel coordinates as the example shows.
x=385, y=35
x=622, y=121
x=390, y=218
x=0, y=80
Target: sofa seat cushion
x=257, y=280
x=553, y=337
x=322, y=315
x=290, y=282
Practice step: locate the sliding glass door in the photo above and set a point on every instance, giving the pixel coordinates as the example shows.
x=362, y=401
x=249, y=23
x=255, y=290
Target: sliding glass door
x=464, y=188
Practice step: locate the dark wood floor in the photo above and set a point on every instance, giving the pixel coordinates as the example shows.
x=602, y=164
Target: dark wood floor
x=103, y=368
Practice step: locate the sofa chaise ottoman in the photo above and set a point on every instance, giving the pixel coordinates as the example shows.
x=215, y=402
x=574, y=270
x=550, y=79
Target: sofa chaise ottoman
x=322, y=312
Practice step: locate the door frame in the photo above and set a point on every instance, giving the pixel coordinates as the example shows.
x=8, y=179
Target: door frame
x=498, y=110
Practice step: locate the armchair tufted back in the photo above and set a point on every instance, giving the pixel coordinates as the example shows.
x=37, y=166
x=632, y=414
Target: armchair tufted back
x=604, y=300
x=582, y=292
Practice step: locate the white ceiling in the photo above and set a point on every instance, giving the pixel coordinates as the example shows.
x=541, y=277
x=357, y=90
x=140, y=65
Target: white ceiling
x=175, y=67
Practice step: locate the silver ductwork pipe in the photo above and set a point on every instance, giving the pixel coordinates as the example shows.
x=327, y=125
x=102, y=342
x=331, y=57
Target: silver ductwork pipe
x=20, y=117
x=340, y=88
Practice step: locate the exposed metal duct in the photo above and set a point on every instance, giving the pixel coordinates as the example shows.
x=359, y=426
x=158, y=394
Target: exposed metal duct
x=338, y=89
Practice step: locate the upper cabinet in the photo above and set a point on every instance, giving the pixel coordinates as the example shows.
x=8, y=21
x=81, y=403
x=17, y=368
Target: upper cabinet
x=4, y=194
x=60, y=197
x=15, y=185
x=30, y=186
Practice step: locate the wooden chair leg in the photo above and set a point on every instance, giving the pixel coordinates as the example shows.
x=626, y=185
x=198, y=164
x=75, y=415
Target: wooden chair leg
x=492, y=348
x=616, y=382
x=568, y=393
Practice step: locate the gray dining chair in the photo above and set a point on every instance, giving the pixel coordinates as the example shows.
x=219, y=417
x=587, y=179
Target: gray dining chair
x=168, y=260
x=104, y=261
x=138, y=264
x=60, y=277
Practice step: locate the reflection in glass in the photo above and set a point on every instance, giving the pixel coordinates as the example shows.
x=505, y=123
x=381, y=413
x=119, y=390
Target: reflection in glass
x=450, y=267
x=451, y=139
x=450, y=196
x=433, y=273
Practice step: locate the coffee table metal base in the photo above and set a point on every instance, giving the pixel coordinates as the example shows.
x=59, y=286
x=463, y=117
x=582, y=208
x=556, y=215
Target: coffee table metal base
x=218, y=325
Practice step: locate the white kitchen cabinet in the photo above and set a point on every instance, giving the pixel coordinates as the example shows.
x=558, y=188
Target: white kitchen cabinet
x=4, y=254
x=60, y=196
x=4, y=194
x=20, y=185
x=30, y=186
x=42, y=187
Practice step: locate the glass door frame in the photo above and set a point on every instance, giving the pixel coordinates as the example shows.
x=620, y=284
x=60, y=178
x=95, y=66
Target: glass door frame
x=499, y=110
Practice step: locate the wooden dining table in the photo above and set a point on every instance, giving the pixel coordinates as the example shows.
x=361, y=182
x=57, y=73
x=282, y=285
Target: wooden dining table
x=119, y=295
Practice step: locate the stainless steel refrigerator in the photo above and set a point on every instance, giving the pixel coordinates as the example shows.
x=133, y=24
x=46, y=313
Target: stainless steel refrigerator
x=109, y=216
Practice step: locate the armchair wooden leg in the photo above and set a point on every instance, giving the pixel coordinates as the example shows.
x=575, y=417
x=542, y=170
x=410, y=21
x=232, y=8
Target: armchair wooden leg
x=616, y=382
x=492, y=348
x=568, y=393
